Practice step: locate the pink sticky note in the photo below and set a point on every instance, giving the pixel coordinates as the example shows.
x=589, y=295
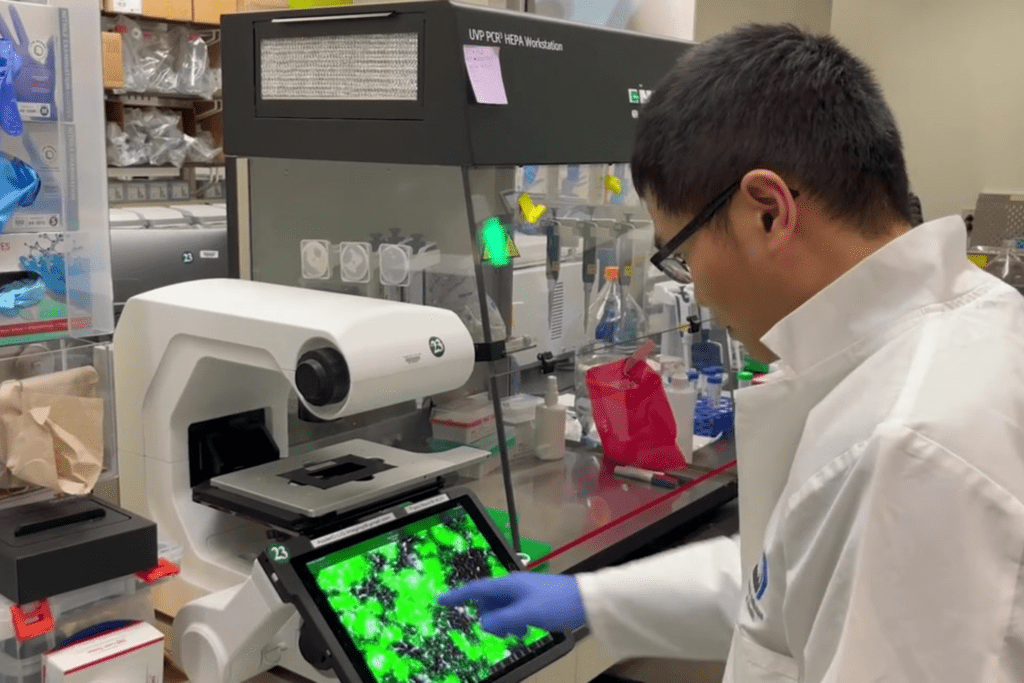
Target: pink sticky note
x=484, y=69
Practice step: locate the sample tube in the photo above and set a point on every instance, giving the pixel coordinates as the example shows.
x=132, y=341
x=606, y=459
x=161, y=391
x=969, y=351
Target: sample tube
x=714, y=390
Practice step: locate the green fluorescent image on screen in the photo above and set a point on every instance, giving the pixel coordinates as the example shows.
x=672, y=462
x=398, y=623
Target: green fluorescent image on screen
x=384, y=592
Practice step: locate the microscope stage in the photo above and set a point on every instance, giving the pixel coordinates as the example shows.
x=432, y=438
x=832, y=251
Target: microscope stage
x=341, y=477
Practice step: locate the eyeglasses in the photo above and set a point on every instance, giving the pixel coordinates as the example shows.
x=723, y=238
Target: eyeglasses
x=672, y=264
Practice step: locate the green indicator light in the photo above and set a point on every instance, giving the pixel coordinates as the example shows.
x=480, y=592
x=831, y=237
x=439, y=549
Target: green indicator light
x=495, y=242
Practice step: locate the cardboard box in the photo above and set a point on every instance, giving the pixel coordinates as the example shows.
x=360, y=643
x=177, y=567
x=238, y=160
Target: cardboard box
x=136, y=192
x=133, y=653
x=314, y=4
x=261, y=5
x=113, y=61
x=178, y=10
x=115, y=192
x=179, y=190
x=158, y=191
x=209, y=11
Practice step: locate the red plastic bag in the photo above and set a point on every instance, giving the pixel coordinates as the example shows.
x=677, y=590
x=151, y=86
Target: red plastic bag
x=633, y=415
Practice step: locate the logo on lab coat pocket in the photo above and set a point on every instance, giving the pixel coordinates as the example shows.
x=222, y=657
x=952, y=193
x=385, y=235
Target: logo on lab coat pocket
x=757, y=588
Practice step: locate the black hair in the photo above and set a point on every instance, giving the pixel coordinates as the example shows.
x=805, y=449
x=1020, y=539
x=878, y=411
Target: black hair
x=777, y=98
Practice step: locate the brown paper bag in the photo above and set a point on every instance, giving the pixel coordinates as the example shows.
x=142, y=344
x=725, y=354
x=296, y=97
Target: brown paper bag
x=52, y=430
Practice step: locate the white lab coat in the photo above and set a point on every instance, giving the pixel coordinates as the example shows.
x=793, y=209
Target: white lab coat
x=881, y=488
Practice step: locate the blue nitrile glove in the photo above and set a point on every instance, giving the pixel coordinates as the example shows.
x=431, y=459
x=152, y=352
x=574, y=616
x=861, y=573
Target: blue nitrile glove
x=10, y=64
x=42, y=161
x=38, y=77
x=19, y=186
x=512, y=603
x=20, y=294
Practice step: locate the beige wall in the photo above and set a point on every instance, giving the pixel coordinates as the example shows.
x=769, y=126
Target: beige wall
x=672, y=18
x=953, y=72
x=717, y=16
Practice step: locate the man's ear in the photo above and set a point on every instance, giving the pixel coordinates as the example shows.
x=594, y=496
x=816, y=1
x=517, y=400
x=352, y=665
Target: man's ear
x=768, y=194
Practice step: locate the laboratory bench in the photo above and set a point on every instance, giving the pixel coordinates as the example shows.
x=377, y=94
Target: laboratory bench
x=591, y=519
x=577, y=508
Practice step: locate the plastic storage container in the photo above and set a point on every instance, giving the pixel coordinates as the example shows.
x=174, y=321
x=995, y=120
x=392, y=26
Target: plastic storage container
x=29, y=631
x=124, y=219
x=157, y=217
x=204, y=215
x=169, y=550
x=683, y=399
x=519, y=414
x=465, y=421
x=35, y=364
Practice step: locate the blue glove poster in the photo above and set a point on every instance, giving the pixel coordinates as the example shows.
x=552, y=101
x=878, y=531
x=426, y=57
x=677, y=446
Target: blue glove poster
x=34, y=91
x=36, y=85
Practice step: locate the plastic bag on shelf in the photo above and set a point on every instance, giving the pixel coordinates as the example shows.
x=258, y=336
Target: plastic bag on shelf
x=195, y=76
x=136, y=132
x=158, y=132
x=120, y=149
x=216, y=80
x=201, y=148
x=166, y=141
x=163, y=48
x=149, y=64
x=135, y=77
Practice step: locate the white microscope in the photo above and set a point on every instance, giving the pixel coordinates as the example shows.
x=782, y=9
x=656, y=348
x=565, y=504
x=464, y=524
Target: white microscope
x=204, y=371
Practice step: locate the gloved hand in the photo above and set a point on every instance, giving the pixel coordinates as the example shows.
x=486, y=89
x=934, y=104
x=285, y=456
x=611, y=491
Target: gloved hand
x=512, y=603
x=38, y=77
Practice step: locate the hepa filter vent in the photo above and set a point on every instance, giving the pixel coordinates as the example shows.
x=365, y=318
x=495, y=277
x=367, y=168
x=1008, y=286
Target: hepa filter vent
x=341, y=68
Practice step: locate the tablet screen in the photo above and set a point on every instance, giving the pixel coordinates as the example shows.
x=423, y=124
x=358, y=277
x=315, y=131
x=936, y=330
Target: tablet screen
x=380, y=595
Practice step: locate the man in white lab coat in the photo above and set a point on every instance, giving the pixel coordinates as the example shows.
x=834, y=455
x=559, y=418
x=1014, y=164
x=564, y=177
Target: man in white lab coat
x=882, y=472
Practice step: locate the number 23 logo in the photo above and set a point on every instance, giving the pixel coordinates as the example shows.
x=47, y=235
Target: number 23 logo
x=279, y=554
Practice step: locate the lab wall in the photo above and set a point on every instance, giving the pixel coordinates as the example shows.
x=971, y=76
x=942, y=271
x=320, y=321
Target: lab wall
x=718, y=16
x=953, y=73
x=673, y=18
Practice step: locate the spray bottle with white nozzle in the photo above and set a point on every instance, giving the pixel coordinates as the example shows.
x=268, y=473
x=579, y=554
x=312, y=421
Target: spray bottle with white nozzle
x=550, y=424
